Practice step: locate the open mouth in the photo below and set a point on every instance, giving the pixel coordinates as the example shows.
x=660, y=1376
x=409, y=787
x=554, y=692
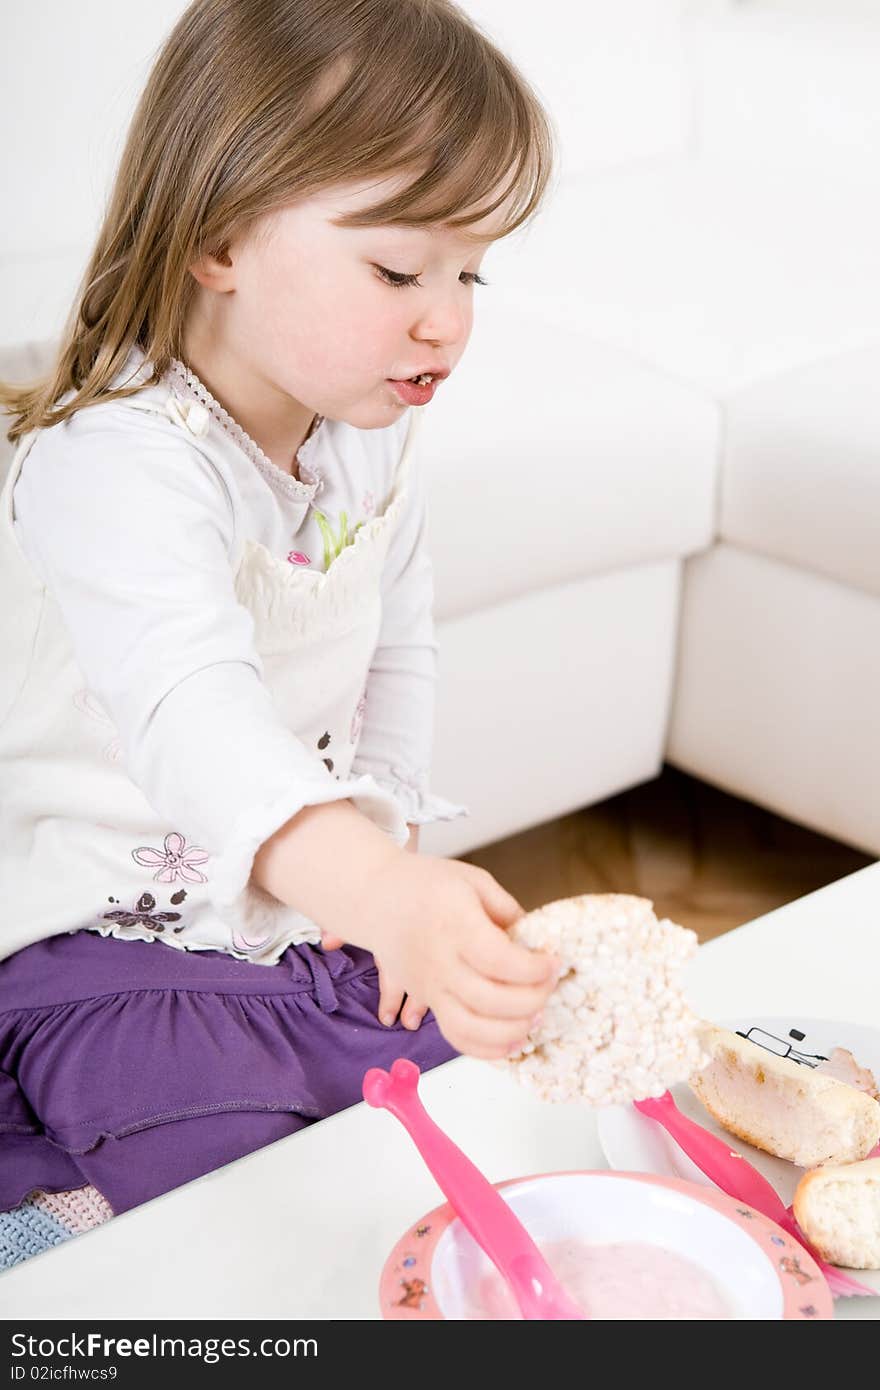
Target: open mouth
x=418, y=389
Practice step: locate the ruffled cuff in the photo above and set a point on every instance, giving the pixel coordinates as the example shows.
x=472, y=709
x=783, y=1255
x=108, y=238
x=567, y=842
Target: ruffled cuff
x=255, y=917
x=418, y=805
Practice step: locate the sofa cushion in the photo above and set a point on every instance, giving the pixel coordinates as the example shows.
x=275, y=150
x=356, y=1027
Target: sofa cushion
x=549, y=458
x=719, y=273
x=777, y=690
x=556, y=699
x=801, y=469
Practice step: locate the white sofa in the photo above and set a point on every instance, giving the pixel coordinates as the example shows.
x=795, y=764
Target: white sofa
x=655, y=479
x=670, y=434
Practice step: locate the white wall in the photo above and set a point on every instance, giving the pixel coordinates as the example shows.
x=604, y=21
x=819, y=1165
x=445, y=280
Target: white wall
x=72, y=74
x=790, y=83
x=611, y=72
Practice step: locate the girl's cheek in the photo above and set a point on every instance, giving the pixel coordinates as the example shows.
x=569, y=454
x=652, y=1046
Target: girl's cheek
x=383, y=348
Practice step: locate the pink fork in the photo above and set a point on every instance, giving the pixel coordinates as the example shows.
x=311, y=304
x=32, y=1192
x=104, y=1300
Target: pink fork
x=478, y=1205
x=735, y=1176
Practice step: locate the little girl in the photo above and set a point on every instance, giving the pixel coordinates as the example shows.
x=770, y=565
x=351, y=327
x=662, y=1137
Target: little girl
x=217, y=646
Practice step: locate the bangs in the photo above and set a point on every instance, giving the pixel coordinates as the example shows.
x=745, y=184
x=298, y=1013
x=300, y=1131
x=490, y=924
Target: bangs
x=466, y=126
x=449, y=192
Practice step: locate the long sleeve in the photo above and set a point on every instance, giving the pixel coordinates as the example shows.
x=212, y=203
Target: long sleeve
x=397, y=734
x=164, y=643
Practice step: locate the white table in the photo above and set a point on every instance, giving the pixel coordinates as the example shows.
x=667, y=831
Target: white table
x=302, y=1228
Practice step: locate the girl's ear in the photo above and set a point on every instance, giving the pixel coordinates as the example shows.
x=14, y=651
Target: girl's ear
x=214, y=270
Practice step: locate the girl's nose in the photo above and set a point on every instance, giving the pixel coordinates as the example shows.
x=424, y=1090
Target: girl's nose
x=445, y=323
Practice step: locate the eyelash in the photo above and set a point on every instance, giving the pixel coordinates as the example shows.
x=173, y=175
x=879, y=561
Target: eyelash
x=399, y=281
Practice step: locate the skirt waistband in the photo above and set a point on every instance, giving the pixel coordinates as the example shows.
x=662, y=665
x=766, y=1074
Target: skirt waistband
x=83, y=965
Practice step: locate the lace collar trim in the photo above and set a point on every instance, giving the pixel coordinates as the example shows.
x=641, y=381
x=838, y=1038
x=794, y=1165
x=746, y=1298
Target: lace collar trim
x=302, y=489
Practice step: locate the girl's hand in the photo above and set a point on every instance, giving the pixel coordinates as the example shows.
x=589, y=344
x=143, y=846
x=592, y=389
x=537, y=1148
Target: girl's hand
x=438, y=928
x=391, y=996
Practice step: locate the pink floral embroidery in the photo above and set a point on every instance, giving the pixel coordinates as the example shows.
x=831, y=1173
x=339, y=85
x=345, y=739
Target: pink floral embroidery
x=296, y=557
x=357, y=721
x=368, y=502
x=175, y=860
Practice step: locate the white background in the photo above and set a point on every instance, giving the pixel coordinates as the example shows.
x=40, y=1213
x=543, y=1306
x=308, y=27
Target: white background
x=787, y=82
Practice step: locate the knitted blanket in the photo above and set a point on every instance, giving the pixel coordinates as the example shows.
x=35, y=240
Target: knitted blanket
x=46, y=1219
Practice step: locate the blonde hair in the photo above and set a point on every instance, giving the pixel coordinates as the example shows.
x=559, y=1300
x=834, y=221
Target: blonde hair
x=253, y=103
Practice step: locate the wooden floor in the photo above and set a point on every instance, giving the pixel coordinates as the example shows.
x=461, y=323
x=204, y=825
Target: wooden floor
x=707, y=860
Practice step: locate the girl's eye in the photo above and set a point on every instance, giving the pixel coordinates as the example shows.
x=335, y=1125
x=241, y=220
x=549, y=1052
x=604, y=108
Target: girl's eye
x=394, y=277
x=398, y=280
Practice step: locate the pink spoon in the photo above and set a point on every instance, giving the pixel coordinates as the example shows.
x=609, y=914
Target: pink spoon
x=478, y=1205
x=736, y=1176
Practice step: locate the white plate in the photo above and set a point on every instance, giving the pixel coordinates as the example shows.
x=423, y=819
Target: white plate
x=634, y=1144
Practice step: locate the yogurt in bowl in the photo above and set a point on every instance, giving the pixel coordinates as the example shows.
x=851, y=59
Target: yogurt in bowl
x=626, y=1246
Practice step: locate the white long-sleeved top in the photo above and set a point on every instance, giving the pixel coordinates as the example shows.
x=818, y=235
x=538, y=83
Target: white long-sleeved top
x=195, y=646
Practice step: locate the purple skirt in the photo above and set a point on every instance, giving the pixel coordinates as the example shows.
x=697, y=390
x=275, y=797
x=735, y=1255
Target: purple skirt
x=135, y=1067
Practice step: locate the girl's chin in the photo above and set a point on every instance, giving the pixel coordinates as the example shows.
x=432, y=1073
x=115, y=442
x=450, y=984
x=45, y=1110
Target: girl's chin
x=372, y=413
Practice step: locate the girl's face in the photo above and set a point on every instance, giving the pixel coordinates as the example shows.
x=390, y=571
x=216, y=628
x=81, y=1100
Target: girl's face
x=328, y=316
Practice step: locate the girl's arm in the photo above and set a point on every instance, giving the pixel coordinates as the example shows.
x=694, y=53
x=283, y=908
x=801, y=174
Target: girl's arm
x=391, y=997
x=436, y=925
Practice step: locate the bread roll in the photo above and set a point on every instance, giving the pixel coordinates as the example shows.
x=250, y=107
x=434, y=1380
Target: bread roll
x=838, y=1209
x=783, y=1107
